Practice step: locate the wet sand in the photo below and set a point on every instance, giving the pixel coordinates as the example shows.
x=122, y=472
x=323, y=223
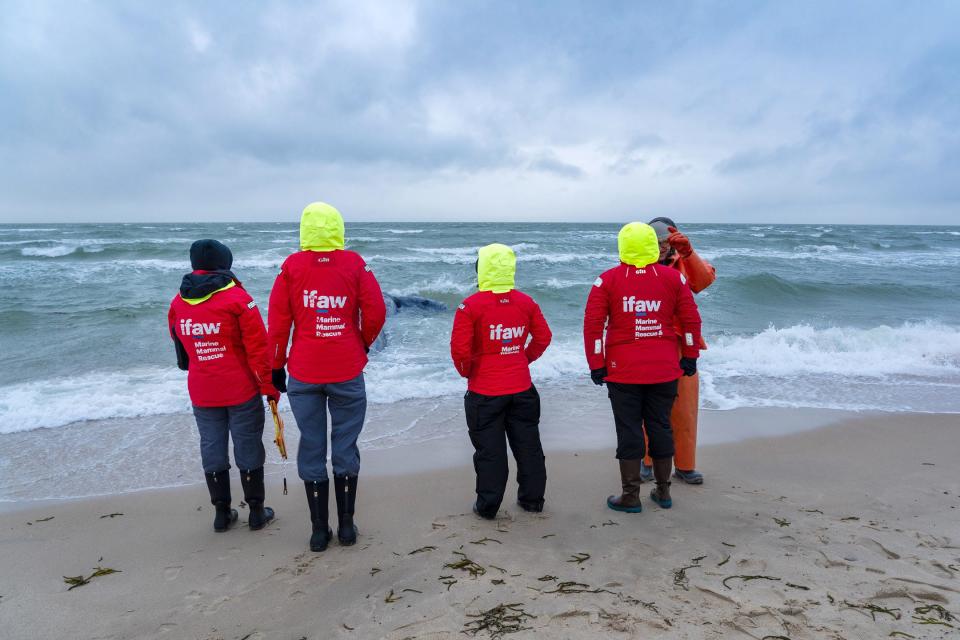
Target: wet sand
x=848, y=531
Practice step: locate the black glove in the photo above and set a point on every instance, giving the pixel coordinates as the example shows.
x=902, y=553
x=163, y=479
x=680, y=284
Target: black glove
x=279, y=377
x=689, y=366
x=597, y=375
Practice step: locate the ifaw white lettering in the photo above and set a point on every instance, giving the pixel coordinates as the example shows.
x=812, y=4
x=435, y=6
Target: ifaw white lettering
x=631, y=305
x=499, y=332
x=190, y=328
x=313, y=300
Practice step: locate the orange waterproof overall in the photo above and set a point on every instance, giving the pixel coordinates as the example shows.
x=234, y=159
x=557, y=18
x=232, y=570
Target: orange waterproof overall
x=700, y=274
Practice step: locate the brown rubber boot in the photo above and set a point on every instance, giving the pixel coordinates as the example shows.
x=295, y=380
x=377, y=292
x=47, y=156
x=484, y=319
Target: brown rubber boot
x=661, y=473
x=629, y=502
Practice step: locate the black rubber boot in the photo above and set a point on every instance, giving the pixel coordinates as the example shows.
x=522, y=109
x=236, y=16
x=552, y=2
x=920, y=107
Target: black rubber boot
x=629, y=500
x=219, y=486
x=346, y=492
x=255, y=493
x=661, y=472
x=318, y=495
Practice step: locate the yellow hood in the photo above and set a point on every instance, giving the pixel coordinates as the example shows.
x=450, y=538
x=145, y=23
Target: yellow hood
x=321, y=228
x=496, y=267
x=638, y=244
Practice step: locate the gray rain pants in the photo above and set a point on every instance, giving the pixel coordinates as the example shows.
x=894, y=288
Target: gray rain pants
x=347, y=402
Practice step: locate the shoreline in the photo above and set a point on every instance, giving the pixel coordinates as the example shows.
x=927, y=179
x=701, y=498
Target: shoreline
x=579, y=421
x=854, y=513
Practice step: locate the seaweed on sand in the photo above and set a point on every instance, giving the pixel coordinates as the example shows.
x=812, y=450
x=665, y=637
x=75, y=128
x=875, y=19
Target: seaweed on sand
x=466, y=564
x=922, y=615
x=422, y=550
x=499, y=621
x=748, y=578
x=873, y=609
x=569, y=587
x=448, y=580
x=79, y=581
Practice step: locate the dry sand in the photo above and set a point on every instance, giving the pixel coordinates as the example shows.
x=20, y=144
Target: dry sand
x=849, y=531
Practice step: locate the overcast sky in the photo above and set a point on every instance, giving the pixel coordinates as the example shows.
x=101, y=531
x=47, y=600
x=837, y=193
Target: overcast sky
x=728, y=111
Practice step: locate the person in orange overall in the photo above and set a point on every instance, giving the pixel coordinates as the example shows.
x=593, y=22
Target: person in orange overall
x=677, y=252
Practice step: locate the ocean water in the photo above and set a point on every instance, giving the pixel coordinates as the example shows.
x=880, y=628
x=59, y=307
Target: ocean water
x=843, y=317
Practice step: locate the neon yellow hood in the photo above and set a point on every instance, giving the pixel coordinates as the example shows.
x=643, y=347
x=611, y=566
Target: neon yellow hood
x=321, y=228
x=496, y=267
x=196, y=301
x=638, y=244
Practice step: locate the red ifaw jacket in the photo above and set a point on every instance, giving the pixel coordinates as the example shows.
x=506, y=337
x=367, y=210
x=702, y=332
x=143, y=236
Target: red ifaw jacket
x=489, y=344
x=637, y=306
x=225, y=344
x=336, y=310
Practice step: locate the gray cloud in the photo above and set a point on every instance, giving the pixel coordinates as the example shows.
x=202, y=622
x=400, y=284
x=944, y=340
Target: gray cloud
x=706, y=110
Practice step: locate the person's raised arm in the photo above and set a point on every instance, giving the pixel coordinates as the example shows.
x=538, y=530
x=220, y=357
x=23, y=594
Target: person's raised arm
x=700, y=274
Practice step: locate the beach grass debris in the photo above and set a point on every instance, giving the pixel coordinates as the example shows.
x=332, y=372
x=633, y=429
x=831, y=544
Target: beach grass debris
x=422, y=550
x=111, y=515
x=392, y=597
x=747, y=578
x=850, y=519
x=498, y=581
x=579, y=558
x=797, y=586
x=375, y=570
x=449, y=581
x=922, y=615
x=900, y=634
x=873, y=609
x=485, y=540
x=47, y=519
x=438, y=525
x=466, y=564
x=499, y=621
x=549, y=535
x=727, y=544
x=680, y=577
x=698, y=559
x=348, y=627
x=812, y=511
x=775, y=638
x=546, y=578
x=79, y=581
x=569, y=587
x=610, y=523
x=75, y=581
x=783, y=522
x=500, y=569
x=408, y=590
x=724, y=561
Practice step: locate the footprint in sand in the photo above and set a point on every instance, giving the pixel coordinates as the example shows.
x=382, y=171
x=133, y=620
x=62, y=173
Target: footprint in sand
x=172, y=573
x=214, y=606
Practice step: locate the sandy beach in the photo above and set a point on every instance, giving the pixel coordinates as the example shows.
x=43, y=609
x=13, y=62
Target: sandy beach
x=847, y=531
